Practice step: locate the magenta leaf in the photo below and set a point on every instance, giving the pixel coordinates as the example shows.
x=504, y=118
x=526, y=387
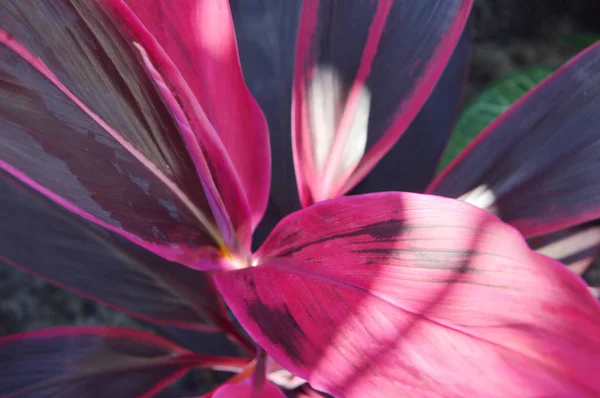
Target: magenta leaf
x=536, y=165
x=94, y=361
x=83, y=123
x=413, y=295
x=198, y=38
x=244, y=389
x=353, y=99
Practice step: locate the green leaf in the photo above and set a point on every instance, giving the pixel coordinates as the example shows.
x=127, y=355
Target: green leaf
x=580, y=40
x=488, y=105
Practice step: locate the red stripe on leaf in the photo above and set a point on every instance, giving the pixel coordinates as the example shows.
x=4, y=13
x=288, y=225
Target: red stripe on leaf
x=198, y=39
x=355, y=98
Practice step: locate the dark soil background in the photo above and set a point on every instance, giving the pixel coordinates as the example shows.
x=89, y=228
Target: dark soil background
x=508, y=34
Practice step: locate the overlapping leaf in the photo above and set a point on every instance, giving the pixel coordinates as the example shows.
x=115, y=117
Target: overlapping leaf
x=266, y=33
x=537, y=165
x=387, y=294
x=93, y=362
x=488, y=105
x=42, y=238
x=83, y=123
x=352, y=99
x=576, y=247
x=193, y=43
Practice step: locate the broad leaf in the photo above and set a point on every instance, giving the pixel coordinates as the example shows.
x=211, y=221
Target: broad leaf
x=266, y=31
x=536, y=166
x=488, y=105
x=83, y=123
x=94, y=362
x=193, y=43
x=42, y=238
x=353, y=99
x=413, y=295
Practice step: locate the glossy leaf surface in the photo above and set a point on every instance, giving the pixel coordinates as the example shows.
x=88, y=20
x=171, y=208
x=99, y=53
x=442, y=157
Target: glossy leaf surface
x=84, y=124
x=91, y=362
x=353, y=99
x=42, y=238
x=405, y=294
x=197, y=39
x=536, y=166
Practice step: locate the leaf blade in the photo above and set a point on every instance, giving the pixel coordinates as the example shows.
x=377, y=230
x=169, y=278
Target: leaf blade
x=407, y=301
x=199, y=38
x=535, y=165
x=142, y=183
x=42, y=238
x=489, y=105
x=410, y=165
x=368, y=87
x=88, y=360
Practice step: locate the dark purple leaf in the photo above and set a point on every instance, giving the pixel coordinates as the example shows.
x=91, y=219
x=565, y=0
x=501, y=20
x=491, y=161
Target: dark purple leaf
x=89, y=361
x=266, y=33
x=411, y=163
x=209, y=343
x=592, y=276
x=46, y=240
x=536, y=166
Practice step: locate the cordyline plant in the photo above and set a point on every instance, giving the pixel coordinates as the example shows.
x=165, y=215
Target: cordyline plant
x=136, y=167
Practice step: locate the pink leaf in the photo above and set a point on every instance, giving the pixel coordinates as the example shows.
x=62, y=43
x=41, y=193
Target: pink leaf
x=102, y=361
x=536, y=166
x=244, y=389
x=198, y=38
x=85, y=125
x=353, y=99
x=413, y=295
